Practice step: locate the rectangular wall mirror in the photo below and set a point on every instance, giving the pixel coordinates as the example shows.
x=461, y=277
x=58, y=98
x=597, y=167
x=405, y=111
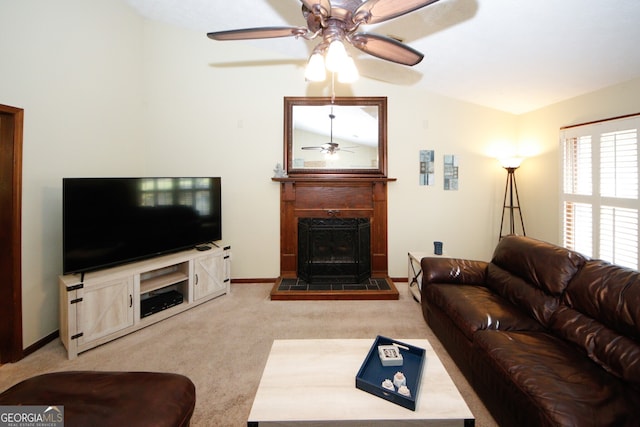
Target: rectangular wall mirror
x=343, y=135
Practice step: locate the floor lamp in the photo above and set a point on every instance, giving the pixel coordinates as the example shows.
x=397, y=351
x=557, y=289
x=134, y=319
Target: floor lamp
x=511, y=190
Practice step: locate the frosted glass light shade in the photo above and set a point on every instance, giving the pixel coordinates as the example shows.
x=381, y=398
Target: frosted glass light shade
x=315, y=71
x=336, y=56
x=348, y=73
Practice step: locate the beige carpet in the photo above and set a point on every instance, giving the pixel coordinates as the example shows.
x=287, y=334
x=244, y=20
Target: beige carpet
x=223, y=346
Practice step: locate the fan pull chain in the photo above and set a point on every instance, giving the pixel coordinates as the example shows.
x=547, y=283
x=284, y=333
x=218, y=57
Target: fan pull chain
x=333, y=89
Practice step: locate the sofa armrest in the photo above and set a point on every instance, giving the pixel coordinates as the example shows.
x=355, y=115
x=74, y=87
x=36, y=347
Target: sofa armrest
x=453, y=270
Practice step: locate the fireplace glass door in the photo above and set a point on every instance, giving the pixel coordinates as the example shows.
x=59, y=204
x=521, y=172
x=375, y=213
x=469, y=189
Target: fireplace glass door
x=334, y=250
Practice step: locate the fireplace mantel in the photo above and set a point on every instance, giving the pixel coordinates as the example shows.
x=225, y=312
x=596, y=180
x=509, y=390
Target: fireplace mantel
x=333, y=196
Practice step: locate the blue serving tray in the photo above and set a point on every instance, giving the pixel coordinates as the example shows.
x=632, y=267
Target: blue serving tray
x=372, y=373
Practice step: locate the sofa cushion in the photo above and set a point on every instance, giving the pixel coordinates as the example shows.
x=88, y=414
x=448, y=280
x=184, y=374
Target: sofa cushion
x=473, y=308
x=602, y=316
x=529, y=298
x=546, y=266
x=554, y=376
x=608, y=293
x=617, y=354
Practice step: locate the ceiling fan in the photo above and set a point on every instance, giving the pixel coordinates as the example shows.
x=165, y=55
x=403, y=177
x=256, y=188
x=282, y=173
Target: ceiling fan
x=339, y=20
x=330, y=147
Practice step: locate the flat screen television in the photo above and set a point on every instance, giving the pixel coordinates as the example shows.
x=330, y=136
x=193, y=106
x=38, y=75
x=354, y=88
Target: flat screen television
x=111, y=221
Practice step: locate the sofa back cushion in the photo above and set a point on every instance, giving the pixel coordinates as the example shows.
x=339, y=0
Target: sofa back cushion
x=544, y=265
x=602, y=315
x=528, y=298
x=532, y=274
x=608, y=293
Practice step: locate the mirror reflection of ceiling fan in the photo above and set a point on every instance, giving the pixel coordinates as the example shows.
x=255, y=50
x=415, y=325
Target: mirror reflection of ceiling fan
x=330, y=147
x=339, y=20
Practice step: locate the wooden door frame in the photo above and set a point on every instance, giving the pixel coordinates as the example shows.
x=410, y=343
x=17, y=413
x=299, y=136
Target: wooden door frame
x=11, y=132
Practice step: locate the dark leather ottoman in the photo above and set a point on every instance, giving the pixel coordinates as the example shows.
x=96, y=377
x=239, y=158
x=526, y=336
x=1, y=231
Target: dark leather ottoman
x=93, y=398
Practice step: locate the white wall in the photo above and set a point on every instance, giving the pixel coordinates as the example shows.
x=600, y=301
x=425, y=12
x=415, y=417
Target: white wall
x=74, y=67
x=538, y=134
x=467, y=220
x=222, y=121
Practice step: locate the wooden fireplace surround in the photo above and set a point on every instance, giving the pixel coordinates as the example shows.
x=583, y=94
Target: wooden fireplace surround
x=333, y=196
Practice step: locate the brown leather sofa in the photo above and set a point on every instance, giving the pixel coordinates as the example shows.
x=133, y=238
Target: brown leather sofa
x=110, y=399
x=545, y=336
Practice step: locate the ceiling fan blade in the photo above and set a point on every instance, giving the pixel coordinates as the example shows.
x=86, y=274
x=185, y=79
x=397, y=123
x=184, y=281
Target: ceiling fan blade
x=312, y=148
x=386, y=48
x=257, y=33
x=323, y=7
x=374, y=11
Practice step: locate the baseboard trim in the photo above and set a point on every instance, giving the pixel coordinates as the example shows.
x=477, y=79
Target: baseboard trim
x=260, y=280
x=40, y=343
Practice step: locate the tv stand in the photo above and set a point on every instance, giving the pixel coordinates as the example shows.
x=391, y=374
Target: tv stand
x=98, y=307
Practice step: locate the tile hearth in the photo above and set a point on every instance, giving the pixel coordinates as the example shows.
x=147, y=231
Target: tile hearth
x=301, y=285
x=298, y=289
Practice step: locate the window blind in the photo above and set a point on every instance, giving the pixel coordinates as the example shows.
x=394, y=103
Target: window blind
x=599, y=198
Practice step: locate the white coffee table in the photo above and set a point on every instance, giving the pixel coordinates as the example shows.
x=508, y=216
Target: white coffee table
x=312, y=383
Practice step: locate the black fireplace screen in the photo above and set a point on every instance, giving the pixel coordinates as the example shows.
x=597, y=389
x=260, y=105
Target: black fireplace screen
x=334, y=250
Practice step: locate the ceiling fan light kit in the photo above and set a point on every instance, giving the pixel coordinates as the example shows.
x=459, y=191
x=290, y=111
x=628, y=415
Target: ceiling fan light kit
x=336, y=56
x=337, y=22
x=349, y=72
x=315, y=71
x=336, y=60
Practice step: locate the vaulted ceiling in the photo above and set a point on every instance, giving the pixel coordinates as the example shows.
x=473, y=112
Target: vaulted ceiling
x=512, y=55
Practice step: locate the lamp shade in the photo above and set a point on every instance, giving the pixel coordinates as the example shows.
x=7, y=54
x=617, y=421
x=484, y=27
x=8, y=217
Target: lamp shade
x=511, y=162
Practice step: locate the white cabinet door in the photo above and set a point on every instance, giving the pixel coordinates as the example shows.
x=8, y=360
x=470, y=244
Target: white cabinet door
x=105, y=308
x=209, y=275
